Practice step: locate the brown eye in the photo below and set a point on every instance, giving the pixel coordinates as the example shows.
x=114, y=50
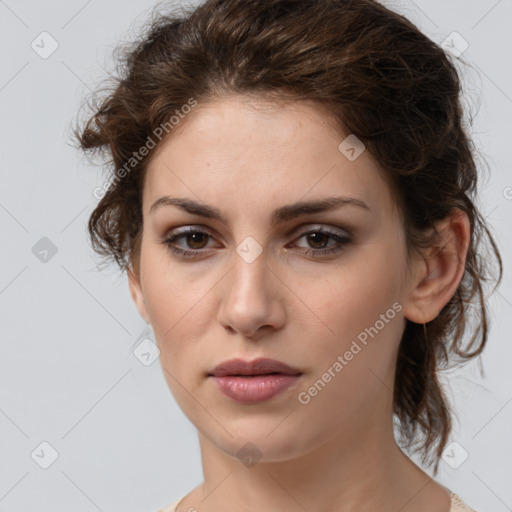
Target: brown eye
x=197, y=239
x=194, y=242
x=318, y=239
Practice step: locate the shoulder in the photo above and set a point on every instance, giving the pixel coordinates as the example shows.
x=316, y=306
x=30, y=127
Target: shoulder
x=457, y=504
x=171, y=507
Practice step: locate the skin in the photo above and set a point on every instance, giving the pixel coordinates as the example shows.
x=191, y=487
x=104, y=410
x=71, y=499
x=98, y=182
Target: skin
x=247, y=157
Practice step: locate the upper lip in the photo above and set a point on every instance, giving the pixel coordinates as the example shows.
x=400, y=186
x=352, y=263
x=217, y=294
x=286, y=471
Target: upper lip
x=260, y=366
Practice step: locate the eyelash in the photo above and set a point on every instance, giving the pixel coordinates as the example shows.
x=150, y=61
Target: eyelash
x=342, y=242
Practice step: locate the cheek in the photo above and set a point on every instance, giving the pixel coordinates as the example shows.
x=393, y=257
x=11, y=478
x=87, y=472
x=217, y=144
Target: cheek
x=355, y=296
x=359, y=306
x=173, y=291
x=176, y=308
x=352, y=371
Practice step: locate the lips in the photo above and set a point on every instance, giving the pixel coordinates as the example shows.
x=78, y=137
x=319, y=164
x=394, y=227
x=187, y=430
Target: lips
x=260, y=366
x=253, y=382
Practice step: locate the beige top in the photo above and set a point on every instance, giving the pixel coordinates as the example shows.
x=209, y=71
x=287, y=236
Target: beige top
x=457, y=505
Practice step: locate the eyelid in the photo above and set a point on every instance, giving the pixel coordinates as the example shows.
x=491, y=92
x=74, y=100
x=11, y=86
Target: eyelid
x=342, y=240
x=179, y=232
x=326, y=228
x=188, y=228
x=302, y=229
x=338, y=234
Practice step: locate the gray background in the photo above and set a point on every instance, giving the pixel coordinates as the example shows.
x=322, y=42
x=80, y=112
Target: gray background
x=68, y=374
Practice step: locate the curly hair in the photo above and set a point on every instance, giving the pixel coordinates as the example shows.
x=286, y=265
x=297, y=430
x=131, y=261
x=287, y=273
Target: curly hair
x=379, y=78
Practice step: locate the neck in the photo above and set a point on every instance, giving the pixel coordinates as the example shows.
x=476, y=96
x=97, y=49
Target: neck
x=363, y=471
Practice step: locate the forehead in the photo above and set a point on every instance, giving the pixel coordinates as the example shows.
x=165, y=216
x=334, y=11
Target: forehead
x=257, y=152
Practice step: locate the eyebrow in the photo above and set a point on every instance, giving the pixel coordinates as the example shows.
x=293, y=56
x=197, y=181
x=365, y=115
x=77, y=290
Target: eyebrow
x=282, y=214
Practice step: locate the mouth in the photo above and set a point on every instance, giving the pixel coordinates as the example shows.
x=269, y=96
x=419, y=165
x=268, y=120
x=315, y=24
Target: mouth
x=251, y=382
x=257, y=367
x=255, y=374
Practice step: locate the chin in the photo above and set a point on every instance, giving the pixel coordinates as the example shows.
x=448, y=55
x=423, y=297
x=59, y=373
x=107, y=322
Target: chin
x=262, y=440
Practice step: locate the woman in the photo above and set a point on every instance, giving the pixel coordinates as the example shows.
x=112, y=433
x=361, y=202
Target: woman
x=292, y=199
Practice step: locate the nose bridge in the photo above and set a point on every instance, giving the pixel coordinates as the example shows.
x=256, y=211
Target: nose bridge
x=249, y=267
x=247, y=302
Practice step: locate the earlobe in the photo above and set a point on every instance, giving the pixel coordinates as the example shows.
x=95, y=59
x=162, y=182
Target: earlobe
x=440, y=272
x=137, y=295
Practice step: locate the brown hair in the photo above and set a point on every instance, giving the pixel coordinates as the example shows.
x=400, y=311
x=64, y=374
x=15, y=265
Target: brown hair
x=380, y=78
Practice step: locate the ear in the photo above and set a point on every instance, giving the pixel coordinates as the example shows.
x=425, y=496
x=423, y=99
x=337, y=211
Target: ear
x=439, y=273
x=136, y=293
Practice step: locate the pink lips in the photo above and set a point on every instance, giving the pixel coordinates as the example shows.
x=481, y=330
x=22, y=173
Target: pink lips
x=254, y=381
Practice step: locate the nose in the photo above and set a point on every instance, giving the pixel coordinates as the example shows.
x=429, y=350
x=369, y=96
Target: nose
x=251, y=302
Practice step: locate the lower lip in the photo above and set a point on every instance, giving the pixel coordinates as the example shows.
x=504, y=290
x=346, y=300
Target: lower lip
x=258, y=388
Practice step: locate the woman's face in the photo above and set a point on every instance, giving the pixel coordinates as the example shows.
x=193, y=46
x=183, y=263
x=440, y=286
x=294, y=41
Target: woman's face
x=256, y=284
